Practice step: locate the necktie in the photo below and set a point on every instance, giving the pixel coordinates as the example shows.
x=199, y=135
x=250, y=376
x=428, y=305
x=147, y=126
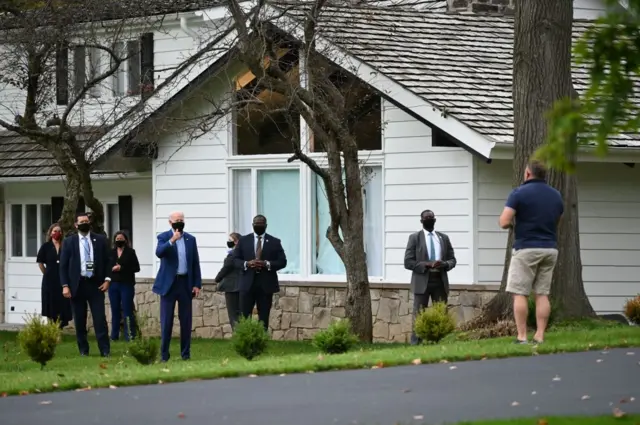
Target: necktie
x=87, y=254
x=432, y=248
x=259, y=248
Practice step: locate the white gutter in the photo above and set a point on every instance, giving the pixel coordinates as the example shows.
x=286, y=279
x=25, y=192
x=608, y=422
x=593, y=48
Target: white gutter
x=184, y=26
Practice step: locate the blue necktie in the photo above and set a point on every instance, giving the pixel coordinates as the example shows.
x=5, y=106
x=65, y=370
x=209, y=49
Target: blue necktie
x=432, y=248
x=87, y=254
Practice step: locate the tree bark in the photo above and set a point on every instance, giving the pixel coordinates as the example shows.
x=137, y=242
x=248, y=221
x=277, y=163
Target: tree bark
x=542, y=76
x=72, y=192
x=97, y=210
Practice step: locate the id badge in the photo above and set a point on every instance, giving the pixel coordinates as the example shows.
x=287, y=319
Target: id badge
x=89, y=266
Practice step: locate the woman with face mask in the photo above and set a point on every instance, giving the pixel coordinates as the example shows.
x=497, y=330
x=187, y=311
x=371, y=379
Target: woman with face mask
x=54, y=305
x=123, y=267
x=227, y=281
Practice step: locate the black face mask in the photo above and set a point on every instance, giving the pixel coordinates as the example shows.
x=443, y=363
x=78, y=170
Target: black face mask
x=178, y=225
x=428, y=224
x=120, y=244
x=259, y=229
x=84, y=227
x=230, y=244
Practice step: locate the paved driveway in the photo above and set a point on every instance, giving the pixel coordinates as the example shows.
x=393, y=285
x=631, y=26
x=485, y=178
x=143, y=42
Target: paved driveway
x=581, y=383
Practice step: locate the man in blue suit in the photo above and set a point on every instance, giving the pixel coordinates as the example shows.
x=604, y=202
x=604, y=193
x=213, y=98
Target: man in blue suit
x=179, y=280
x=84, y=275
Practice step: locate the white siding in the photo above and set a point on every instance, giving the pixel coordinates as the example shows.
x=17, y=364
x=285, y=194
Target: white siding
x=588, y=9
x=417, y=177
x=609, y=209
x=23, y=279
x=171, y=48
x=190, y=175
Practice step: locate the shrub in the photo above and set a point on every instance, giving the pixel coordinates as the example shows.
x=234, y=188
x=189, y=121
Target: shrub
x=39, y=338
x=433, y=324
x=144, y=349
x=336, y=339
x=632, y=310
x=531, y=316
x=249, y=338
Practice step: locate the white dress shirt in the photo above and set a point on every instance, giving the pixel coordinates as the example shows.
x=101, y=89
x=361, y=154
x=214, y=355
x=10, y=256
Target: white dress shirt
x=436, y=244
x=83, y=259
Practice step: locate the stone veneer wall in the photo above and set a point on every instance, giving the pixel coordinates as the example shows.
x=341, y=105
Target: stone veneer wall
x=301, y=309
x=2, y=253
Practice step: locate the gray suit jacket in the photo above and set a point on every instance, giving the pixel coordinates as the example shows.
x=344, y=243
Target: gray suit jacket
x=416, y=256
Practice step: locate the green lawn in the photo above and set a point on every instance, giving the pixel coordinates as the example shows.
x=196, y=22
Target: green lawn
x=564, y=420
x=216, y=359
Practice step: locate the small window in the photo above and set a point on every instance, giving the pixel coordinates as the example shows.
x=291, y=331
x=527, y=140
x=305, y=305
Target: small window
x=126, y=81
x=113, y=219
x=31, y=230
x=46, y=220
x=16, y=231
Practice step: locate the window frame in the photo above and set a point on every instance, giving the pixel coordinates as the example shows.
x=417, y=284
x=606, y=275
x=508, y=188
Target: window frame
x=256, y=163
x=121, y=47
x=41, y=238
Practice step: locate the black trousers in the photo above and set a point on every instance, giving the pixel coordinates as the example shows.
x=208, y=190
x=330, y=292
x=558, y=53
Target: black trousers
x=88, y=293
x=435, y=291
x=257, y=297
x=232, y=300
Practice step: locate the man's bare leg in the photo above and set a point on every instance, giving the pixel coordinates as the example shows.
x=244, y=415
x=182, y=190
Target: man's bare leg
x=520, y=312
x=543, y=310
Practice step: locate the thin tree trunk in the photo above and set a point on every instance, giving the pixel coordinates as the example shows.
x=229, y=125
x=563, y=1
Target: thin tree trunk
x=541, y=76
x=72, y=192
x=97, y=210
x=358, y=300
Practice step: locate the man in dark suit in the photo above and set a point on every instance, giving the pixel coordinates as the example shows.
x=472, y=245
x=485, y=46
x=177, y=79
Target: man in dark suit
x=179, y=280
x=259, y=256
x=429, y=255
x=84, y=270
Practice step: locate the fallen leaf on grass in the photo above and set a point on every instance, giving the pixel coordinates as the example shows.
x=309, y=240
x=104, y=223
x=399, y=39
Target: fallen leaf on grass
x=543, y=422
x=557, y=378
x=380, y=364
x=311, y=371
x=55, y=385
x=283, y=374
x=160, y=382
x=24, y=393
x=416, y=361
x=253, y=376
x=181, y=415
x=3, y=395
x=320, y=357
x=585, y=397
x=45, y=402
x=515, y=403
x=103, y=366
x=617, y=413
x=165, y=370
x=418, y=417
x=444, y=361
x=112, y=387
x=83, y=389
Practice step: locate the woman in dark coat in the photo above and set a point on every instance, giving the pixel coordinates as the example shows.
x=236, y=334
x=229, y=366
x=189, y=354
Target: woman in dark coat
x=124, y=265
x=227, y=281
x=54, y=305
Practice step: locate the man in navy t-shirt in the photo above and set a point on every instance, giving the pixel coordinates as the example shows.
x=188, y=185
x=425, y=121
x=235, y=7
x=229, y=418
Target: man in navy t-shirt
x=537, y=209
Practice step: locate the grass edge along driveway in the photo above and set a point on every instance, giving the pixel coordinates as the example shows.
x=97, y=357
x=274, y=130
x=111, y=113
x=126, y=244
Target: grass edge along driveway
x=213, y=359
x=563, y=420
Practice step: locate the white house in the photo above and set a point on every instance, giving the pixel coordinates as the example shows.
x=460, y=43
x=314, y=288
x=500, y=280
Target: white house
x=444, y=80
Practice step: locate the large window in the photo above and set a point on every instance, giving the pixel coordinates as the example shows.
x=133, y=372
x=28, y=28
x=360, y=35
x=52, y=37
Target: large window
x=325, y=260
x=29, y=225
x=276, y=195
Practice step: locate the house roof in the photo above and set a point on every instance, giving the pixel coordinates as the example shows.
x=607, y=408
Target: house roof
x=459, y=63
x=22, y=157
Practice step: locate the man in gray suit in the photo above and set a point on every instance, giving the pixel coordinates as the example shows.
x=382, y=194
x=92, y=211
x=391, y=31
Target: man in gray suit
x=429, y=255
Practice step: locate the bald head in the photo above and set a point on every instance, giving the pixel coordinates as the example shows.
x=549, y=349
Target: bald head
x=176, y=220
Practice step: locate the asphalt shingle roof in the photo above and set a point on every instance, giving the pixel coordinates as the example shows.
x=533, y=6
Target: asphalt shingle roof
x=459, y=62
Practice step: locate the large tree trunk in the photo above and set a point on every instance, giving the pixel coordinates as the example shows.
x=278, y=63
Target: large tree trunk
x=72, y=193
x=358, y=300
x=541, y=76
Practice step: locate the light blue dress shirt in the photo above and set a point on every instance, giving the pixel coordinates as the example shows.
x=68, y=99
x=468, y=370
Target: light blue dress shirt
x=182, y=256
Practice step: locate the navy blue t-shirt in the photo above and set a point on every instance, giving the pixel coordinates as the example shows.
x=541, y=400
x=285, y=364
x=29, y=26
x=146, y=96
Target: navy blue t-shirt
x=538, y=207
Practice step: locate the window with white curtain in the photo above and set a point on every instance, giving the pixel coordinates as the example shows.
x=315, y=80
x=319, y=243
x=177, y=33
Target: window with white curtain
x=29, y=225
x=276, y=195
x=325, y=259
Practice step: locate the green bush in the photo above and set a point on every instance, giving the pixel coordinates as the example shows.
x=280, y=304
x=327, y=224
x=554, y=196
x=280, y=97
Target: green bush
x=249, y=338
x=434, y=323
x=39, y=338
x=144, y=349
x=632, y=310
x=336, y=339
x=531, y=316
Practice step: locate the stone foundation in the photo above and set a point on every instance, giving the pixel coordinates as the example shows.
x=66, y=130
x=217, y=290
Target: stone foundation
x=300, y=309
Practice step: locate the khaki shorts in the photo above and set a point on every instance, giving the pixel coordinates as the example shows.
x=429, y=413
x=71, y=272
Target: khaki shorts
x=531, y=269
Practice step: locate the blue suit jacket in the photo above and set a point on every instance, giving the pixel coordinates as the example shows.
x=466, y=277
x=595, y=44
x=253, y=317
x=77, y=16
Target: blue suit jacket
x=168, y=255
x=70, y=260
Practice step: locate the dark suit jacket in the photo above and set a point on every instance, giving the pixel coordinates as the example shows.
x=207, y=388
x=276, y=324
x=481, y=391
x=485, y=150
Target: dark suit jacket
x=168, y=255
x=227, y=277
x=70, y=260
x=271, y=251
x=417, y=253
x=129, y=266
